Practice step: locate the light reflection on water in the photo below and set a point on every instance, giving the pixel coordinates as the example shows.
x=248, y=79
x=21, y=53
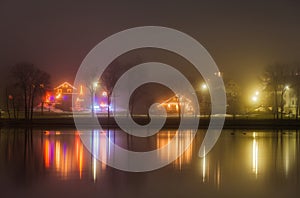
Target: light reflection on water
x=248, y=163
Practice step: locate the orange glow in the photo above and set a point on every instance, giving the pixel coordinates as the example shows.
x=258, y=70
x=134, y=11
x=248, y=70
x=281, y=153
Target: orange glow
x=81, y=90
x=58, y=96
x=79, y=155
x=63, y=158
x=57, y=155
x=47, y=97
x=181, y=141
x=47, y=154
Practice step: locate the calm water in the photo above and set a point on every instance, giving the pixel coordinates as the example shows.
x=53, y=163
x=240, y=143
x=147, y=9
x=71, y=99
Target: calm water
x=244, y=163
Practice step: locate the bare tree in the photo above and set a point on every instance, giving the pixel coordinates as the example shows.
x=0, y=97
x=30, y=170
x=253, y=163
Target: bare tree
x=108, y=80
x=274, y=80
x=295, y=83
x=32, y=83
x=233, y=94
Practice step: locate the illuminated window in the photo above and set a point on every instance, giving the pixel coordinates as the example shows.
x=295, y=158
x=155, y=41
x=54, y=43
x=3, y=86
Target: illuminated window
x=59, y=91
x=69, y=90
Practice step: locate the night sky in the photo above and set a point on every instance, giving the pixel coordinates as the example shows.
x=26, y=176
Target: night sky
x=241, y=36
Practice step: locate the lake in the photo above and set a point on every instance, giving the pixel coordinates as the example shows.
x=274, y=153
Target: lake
x=243, y=163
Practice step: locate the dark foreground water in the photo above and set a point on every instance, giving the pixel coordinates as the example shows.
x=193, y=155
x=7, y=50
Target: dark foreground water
x=243, y=163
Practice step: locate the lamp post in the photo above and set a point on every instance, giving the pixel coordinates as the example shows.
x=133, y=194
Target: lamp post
x=204, y=88
x=93, y=95
x=254, y=101
x=285, y=88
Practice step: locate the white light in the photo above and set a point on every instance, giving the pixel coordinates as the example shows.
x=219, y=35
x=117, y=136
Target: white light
x=257, y=93
x=254, y=98
x=95, y=84
x=287, y=87
x=204, y=86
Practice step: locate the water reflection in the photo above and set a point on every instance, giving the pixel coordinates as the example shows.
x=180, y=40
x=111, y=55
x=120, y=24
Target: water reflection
x=62, y=155
x=255, y=155
x=241, y=161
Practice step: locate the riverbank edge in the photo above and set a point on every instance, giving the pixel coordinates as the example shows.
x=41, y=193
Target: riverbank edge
x=171, y=123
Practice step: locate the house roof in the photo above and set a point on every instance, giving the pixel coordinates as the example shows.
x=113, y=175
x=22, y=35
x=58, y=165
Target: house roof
x=175, y=99
x=65, y=83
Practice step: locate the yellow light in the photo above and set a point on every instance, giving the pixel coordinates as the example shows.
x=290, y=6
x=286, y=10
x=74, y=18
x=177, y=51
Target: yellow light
x=287, y=87
x=254, y=98
x=204, y=86
x=255, y=156
x=257, y=93
x=58, y=96
x=81, y=90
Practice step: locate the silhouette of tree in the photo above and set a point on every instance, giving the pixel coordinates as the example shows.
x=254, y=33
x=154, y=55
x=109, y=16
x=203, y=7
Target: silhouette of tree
x=274, y=79
x=233, y=94
x=33, y=82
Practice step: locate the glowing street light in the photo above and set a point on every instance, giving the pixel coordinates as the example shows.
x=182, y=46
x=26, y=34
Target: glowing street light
x=286, y=87
x=204, y=86
x=93, y=97
x=95, y=84
x=254, y=98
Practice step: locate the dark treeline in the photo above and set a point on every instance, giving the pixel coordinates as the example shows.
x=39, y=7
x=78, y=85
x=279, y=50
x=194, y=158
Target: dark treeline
x=29, y=84
x=276, y=81
x=25, y=90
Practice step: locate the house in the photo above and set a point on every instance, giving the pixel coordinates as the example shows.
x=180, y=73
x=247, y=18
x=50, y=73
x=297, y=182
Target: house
x=172, y=105
x=63, y=95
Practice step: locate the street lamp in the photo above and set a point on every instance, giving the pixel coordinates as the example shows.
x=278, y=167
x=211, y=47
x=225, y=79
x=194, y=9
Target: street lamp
x=204, y=89
x=285, y=88
x=93, y=95
x=254, y=98
x=204, y=86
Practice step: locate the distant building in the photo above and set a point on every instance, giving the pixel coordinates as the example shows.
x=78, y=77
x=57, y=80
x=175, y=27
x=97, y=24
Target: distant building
x=63, y=96
x=173, y=106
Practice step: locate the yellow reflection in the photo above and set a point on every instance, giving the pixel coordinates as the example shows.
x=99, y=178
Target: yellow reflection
x=100, y=150
x=204, y=167
x=95, y=146
x=288, y=152
x=218, y=177
x=181, y=142
x=255, y=156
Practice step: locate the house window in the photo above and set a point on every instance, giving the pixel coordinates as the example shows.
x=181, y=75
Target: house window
x=69, y=90
x=59, y=91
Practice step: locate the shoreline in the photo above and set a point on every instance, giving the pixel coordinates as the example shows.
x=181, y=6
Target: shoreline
x=171, y=123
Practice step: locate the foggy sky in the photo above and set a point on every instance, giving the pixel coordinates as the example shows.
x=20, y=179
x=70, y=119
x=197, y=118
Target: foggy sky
x=241, y=36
